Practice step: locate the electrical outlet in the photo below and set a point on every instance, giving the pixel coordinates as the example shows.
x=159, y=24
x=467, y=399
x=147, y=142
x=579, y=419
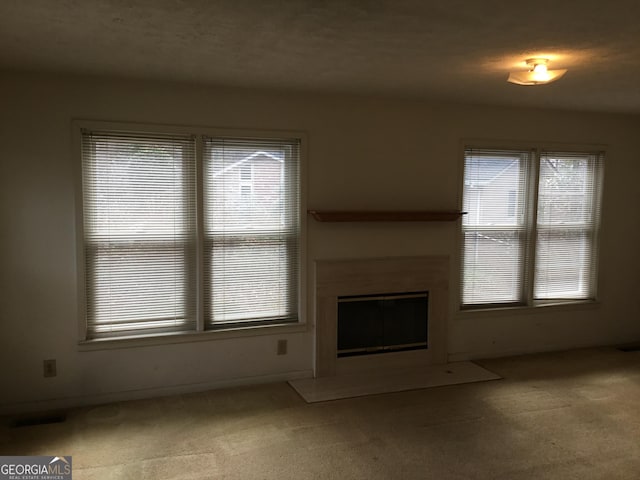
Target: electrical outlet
x=282, y=347
x=49, y=368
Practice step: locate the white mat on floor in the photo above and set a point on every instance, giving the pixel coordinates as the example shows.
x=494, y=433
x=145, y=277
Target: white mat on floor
x=390, y=380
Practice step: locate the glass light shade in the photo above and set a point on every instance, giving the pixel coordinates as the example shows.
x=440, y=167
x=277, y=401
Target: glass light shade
x=535, y=77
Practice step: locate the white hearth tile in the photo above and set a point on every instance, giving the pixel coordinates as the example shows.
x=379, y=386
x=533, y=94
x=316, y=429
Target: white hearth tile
x=389, y=380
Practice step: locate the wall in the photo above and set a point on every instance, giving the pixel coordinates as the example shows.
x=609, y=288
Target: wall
x=362, y=153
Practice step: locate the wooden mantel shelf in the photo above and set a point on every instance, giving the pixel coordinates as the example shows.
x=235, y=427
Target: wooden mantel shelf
x=385, y=215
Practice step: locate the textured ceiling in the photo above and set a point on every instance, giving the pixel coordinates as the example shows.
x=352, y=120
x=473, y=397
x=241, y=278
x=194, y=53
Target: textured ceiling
x=449, y=50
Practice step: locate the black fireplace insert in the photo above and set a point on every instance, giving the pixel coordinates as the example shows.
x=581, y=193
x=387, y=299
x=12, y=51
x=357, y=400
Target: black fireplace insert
x=379, y=323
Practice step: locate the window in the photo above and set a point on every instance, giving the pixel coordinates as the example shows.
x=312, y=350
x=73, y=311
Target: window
x=251, y=249
x=567, y=218
x=511, y=209
x=530, y=231
x=171, y=245
x=246, y=180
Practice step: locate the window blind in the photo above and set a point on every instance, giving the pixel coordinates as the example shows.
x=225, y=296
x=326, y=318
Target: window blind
x=568, y=211
x=139, y=227
x=251, y=230
x=494, y=228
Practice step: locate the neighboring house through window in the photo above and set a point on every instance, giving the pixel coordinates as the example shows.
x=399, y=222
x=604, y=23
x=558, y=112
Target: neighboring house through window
x=530, y=232
x=169, y=249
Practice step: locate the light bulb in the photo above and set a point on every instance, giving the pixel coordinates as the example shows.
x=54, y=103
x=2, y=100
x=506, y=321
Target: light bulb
x=540, y=73
x=540, y=67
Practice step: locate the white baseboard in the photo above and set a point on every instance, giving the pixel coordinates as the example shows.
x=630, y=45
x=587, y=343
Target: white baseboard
x=511, y=352
x=84, y=400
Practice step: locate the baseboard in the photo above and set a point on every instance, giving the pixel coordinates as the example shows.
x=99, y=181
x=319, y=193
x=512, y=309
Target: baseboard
x=512, y=352
x=85, y=400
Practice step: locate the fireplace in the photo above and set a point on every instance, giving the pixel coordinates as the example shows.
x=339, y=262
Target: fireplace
x=395, y=276
x=382, y=323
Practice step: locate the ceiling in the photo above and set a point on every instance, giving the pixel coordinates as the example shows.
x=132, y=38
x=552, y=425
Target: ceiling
x=445, y=50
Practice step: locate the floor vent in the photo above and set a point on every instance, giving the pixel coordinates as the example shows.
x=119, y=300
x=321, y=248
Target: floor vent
x=42, y=419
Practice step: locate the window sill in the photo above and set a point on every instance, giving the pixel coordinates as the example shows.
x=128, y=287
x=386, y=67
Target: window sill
x=528, y=309
x=189, y=337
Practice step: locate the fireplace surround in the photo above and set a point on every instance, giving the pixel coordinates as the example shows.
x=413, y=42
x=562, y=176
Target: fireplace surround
x=338, y=278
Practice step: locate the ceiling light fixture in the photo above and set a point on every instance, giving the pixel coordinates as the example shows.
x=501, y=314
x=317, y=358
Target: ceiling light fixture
x=538, y=73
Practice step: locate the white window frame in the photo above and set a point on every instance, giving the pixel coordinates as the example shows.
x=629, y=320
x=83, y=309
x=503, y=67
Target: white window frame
x=536, y=149
x=200, y=333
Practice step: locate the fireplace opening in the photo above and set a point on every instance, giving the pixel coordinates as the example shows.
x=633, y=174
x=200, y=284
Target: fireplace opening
x=371, y=324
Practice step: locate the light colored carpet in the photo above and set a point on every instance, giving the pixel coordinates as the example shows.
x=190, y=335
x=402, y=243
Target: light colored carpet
x=389, y=380
x=569, y=415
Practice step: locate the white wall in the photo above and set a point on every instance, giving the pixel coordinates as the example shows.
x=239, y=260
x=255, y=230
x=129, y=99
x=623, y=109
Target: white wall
x=363, y=154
